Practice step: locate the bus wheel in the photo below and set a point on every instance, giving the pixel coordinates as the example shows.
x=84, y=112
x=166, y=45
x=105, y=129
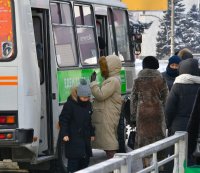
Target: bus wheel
x=61, y=161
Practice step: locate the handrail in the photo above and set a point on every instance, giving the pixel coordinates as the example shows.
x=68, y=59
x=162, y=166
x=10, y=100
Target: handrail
x=122, y=161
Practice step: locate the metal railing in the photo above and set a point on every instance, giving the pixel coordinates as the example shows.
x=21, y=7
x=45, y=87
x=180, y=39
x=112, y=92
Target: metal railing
x=122, y=162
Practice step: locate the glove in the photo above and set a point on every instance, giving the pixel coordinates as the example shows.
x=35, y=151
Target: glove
x=93, y=77
x=133, y=123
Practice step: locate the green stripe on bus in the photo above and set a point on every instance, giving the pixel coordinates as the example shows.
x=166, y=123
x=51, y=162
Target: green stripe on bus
x=191, y=169
x=69, y=78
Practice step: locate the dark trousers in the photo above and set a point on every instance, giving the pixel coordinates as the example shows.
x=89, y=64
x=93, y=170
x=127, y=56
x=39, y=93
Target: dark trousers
x=168, y=167
x=78, y=164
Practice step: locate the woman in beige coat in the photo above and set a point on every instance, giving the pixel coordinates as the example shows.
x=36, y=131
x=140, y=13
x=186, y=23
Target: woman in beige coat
x=107, y=105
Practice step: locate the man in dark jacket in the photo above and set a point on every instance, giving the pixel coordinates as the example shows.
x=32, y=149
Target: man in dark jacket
x=171, y=71
x=76, y=127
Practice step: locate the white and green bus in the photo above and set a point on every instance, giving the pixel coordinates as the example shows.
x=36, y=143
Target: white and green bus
x=46, y=47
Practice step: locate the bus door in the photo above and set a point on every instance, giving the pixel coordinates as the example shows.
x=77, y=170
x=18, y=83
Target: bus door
x=106, y=29
x=42, y=48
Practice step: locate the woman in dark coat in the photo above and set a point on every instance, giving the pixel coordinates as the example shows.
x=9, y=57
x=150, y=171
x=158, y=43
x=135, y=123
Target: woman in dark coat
x=182, y=96
x=76, y=127
x=193, y=130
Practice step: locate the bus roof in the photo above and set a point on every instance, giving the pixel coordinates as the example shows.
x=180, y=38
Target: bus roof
x=114, y=3
x=45, y=3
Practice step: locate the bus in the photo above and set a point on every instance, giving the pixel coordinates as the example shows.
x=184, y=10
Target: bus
x=46, y=47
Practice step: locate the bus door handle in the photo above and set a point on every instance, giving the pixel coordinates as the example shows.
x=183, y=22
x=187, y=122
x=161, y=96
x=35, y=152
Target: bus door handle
x=53, y=96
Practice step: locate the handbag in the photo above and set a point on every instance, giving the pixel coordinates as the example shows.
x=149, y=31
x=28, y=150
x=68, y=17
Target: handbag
x=121, y=135
x=131, y=139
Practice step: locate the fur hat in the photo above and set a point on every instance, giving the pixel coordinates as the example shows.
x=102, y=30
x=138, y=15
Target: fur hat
x=185, y=54
x=83, y=89
x=150, y=62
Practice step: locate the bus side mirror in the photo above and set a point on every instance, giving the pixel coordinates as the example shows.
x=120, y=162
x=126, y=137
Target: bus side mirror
x=137, y=38
x=136, y=43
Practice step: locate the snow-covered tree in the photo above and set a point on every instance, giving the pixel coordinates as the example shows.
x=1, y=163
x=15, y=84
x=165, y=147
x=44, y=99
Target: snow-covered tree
x=192, y=30
x=163, y=37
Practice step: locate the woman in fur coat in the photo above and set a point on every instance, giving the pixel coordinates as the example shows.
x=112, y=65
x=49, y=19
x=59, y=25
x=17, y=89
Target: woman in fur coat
x=148, y=98
x=107, y=105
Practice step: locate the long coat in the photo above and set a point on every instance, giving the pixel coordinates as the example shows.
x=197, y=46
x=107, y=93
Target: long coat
x=148, y=97
x=193, y=127
x=180, y=102
x=75, y=122
x=107, y=106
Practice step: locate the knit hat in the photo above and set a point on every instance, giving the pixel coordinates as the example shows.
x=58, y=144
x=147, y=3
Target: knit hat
x=150, y=62
x=189, y=66
x=83, y=89
x=173, y=72
x=174, y=60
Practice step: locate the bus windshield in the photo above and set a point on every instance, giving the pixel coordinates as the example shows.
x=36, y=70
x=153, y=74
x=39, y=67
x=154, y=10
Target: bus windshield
x=6, y=30
x=120, y=22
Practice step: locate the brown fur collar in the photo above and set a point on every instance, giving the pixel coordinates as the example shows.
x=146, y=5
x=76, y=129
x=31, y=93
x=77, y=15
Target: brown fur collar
x=149, y=73
x=103, y=67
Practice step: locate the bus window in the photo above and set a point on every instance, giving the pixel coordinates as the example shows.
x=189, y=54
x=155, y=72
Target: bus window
x=121, y=30
x=8, y=46
x=110, y=33
x=102, y=32
x=64, y=36
x=85, y=31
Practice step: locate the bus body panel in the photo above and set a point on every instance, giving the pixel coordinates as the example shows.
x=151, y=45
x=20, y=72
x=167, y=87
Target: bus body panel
x=8, y=88
x=44, y=4
x=29, y=100
x=111, y=3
